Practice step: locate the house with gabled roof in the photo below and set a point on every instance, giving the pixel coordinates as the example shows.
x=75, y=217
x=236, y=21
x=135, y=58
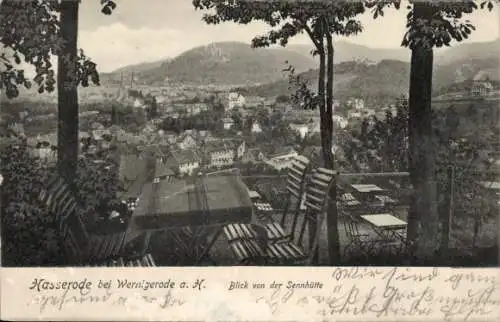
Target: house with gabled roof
x=188, y=141
x=219, y=153
x=481, y=83
x=300, y=128
x=282, y=158
x=235, y=100
x=256, y=128
x=253, y=155
x=162, y=172
x=184, y=161
x=239, y=145
x=228, y=123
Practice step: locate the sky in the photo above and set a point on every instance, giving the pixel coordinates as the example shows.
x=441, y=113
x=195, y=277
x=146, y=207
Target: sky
x=149, y=30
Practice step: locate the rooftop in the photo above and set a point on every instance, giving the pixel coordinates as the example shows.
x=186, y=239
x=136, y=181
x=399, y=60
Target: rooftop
x=283, y=151
x=161, y=169
x=131, y=166
x=183, y=156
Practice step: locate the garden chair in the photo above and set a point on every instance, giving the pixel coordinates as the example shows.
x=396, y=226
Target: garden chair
x=262, y=210
x=297, y=251
x=277, y=231
x=251, y=250
x=359, y=242
x=348, y=199
x=61, y=201
x=82, y=240
x=395, y=242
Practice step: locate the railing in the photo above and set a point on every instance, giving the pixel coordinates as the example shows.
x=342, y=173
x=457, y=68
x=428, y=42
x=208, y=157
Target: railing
x=467, y=197
x=374, y=174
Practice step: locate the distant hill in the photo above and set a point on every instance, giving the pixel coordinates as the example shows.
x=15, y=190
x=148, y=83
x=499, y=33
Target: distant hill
x=469, y=51
x=380, y=82
x=346, y=51
x=223, y=63
x=461, y=63
x=236, y=63
x=462, y=71
x=135, y=69
x=390, y=77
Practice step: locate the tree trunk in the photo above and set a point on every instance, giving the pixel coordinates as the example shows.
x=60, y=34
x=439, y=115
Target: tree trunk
x=326, y=125
x=447, y=210
x=328, y=119
x=332, y=214
x=323, y=129
x=67, y=139
x=325, y=135
x=423, y=219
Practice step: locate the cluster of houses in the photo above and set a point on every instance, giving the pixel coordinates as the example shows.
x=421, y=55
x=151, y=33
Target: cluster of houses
x=313, y=127
x=135, y=169
x=210, y=154
x=136, y=98
x=235, y=100
x=224, y=153
x=482, y=82
x=357, y=104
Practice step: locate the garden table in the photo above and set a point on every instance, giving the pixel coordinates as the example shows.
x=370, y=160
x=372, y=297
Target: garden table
x=387, y=226
x=385, y=221
x=193, y=210
x=366, y=188
x=369, y=194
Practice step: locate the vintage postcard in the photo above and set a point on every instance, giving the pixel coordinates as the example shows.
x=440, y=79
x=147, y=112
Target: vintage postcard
x=249, y=160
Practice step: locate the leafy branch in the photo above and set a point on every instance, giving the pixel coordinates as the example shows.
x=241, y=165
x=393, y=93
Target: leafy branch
x=302, y=95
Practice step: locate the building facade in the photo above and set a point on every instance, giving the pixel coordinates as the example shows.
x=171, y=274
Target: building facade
x=235, y=100
x=185, y=161
x=282, y=159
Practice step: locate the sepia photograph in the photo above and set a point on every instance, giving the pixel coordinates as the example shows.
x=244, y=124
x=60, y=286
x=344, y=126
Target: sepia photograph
x=161, y=133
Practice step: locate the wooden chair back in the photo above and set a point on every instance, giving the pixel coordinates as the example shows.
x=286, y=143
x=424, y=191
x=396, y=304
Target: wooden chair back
x=317, y=191
x=295, y=182
x=81, y=243
x=60, y=200
x=351, y=228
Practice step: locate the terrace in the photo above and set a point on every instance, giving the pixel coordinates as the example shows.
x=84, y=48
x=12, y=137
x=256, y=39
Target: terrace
x=271, y=190
x=224, y=218
x=377, y=202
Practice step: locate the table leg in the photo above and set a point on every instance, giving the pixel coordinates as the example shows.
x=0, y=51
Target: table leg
x=205, y=251
x=392, y=240
x=180, y=241
x=199, y=236
x=145, y=242
x=195, y=245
